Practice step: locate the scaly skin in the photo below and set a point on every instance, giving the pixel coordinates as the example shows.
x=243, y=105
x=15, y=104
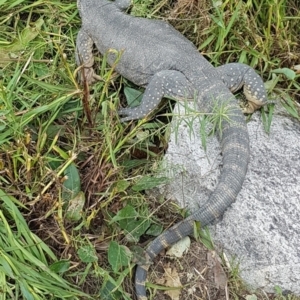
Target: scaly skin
x=159, y=58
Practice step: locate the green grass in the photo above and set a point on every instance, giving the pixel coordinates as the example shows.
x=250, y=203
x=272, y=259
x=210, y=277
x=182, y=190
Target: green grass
x=60, y=153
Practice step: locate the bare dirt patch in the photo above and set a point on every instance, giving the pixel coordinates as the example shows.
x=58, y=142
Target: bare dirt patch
x=197, y=275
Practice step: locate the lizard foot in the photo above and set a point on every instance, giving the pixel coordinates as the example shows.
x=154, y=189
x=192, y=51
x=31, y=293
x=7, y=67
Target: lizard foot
x=88, y=75
x=131, y=113
x=249, y=107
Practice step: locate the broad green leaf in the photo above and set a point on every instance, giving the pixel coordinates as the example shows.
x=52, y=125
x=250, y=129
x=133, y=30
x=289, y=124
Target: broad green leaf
x=54, y=161
x=121, y=185
x=128, y=212
x=135, y=228
x=290, y=74
x=71, y=186
x=60, y=267
x=155, y=230
x=109, y=291
x=87, y=254
x=131, y=222
x=118, y=256
x=75, y=207
x=133, y=96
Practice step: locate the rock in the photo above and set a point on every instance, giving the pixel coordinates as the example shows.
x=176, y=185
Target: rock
x=261, y=230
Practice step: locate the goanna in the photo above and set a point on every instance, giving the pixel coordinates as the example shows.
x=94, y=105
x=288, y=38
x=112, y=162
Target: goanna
x=159, y=58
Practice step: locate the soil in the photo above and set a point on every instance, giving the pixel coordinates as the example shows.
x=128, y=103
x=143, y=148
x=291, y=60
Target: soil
x=198, y=274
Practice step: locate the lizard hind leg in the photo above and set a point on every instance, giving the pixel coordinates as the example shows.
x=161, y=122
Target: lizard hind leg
x=237, y=75
x=167, y=83
x=254, y=91
x=84, y=57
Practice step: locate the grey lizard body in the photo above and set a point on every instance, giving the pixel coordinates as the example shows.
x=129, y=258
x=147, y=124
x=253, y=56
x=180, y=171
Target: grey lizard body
x=159, y=58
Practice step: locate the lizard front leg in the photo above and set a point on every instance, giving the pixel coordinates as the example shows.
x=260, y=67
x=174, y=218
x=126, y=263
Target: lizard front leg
x=167, y=83
x=237, y=75
x=84, y=57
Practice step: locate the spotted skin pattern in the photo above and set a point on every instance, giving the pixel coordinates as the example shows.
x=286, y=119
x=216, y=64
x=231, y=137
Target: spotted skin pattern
x=157, y=57
x=236, y=75
x=165, y=83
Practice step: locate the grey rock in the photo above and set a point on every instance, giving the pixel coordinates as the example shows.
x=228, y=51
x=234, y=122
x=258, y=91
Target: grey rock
x=261, y=230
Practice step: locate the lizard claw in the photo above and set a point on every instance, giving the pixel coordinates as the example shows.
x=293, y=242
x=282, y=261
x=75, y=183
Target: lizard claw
x=126, y=114
x=88, y=75
x=130, y=114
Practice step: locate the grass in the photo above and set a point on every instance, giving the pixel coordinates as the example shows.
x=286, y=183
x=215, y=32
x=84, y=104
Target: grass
x=60, y=154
